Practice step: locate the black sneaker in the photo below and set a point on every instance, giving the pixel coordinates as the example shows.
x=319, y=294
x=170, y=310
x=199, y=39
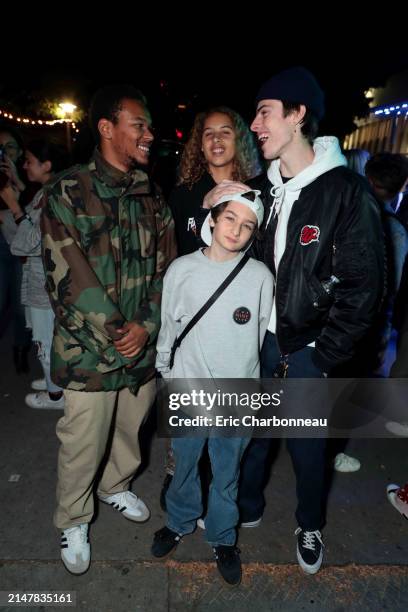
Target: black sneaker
x=309, y=550
x=164, y=489
x=165, y=540
x=228, y=563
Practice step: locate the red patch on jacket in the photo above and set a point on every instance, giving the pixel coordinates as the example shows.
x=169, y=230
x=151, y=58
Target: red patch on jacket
x=308, y=234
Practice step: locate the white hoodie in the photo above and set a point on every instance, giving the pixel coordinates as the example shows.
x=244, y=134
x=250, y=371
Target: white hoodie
x=328, y=155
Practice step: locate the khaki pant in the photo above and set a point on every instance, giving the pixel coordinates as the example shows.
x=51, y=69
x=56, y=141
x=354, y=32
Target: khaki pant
x=84, y=432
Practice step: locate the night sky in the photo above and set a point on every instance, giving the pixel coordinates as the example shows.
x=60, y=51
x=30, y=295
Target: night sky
x=218, y=64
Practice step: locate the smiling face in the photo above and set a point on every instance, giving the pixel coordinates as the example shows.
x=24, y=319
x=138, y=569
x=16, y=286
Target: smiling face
x=37, y=171
x=218, y=141
x=233, y=228
x=126, y=143
x=274, y=131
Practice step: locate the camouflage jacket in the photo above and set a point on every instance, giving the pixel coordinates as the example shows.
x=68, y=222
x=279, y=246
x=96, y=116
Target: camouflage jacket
x=107, y=241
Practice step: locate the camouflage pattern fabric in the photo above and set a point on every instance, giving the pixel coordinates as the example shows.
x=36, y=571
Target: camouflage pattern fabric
x=107, y=242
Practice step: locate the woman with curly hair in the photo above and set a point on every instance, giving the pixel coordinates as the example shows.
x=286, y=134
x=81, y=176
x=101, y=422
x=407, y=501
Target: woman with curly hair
x=220, y=147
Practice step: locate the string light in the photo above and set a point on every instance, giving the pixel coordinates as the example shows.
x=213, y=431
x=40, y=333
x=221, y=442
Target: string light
x=26, y=120
x=395, y=109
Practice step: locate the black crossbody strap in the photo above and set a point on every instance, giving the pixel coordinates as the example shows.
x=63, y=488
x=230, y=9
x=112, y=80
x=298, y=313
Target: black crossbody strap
x=206, y=306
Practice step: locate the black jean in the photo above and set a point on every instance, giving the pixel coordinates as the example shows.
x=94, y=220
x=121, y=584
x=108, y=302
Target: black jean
x=307, y=454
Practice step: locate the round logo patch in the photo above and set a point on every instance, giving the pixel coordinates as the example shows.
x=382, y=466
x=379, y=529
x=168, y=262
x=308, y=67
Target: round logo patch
x=241, y=315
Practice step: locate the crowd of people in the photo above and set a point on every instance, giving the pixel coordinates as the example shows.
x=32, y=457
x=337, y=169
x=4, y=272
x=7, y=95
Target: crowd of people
x=297, y=271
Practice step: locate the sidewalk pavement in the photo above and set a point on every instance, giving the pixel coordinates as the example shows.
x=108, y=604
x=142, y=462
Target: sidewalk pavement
x=366, y=539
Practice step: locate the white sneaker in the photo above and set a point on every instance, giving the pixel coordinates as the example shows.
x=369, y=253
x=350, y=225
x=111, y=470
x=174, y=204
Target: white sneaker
x=398, y=498
x=75, y=549
x=249, y=524
x=398, y=429
x=43, y=400
x=39, y=385
x=129, y=504
x=345, y=463
x=200, y=523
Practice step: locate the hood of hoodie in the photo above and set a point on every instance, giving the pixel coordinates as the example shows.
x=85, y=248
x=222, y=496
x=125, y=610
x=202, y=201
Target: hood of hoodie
x=328, y=155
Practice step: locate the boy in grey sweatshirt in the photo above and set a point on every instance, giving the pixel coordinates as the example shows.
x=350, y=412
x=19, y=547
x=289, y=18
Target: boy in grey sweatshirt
x=224, y=343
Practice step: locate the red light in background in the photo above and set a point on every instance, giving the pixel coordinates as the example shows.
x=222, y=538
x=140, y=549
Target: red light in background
x=179, y=134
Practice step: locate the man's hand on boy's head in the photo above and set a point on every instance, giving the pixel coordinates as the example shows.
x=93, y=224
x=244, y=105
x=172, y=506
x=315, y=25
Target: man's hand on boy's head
x=133, y=341
x=224, y=188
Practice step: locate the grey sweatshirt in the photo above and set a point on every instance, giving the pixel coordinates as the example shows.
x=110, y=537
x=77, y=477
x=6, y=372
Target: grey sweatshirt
x=226, y=341
x=27, y=243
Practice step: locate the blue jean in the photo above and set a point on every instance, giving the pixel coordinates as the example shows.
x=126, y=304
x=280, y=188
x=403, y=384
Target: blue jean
x=41, y=321
x=10, y=286
x=308, y=454
x=184, y=498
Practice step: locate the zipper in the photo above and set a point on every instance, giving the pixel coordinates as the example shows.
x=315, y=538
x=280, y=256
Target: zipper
x=120, y=262
x=282, y=369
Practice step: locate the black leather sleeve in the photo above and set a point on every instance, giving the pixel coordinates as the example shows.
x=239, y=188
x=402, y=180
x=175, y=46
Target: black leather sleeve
x=358, y=262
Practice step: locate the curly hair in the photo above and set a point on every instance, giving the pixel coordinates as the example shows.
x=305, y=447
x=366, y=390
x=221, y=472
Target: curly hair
x=246, y=161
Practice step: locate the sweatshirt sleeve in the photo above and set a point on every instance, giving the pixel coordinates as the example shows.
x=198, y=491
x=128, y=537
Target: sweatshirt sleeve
x=169, y=326
x=27, y=241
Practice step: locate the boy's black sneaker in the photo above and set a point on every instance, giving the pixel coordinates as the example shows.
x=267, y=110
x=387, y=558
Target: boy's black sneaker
x=309, y=550
x=165, y=540
x=164, y=489
x=228, y=563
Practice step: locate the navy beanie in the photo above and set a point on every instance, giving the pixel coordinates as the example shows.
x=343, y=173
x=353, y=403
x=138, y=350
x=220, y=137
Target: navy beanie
x=294, y=85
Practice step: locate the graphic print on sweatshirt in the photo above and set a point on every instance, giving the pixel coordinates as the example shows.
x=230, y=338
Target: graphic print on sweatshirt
x=241, y=315
x=191, y=225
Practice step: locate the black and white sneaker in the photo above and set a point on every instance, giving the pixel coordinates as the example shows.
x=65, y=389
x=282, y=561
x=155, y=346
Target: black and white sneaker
x=309, y=550
x=129, y=504
x=75, y=549
x=164, y=542
x=228, y=563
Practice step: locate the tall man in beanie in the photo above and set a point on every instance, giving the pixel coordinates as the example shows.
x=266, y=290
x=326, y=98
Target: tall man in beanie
x=322, y=239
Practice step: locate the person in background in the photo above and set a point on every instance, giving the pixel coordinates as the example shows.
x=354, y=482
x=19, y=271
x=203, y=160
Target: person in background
x=387, y=174
x=42, y=160
x=398, y=496
x=220, y=147
x=392, y=182
x=356, y=161
x=11, y=150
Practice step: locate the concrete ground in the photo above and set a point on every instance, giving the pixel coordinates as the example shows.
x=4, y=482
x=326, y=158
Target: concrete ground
x=366, y=539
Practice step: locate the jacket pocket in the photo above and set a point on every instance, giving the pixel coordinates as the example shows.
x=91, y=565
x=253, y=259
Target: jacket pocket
x=352, y=258
x=321, y=298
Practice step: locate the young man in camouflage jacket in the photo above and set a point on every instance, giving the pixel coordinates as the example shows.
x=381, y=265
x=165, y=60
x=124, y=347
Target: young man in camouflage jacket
x=107, y=241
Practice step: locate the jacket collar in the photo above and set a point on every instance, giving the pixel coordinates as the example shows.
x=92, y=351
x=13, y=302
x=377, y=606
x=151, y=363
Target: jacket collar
x=135, y=181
